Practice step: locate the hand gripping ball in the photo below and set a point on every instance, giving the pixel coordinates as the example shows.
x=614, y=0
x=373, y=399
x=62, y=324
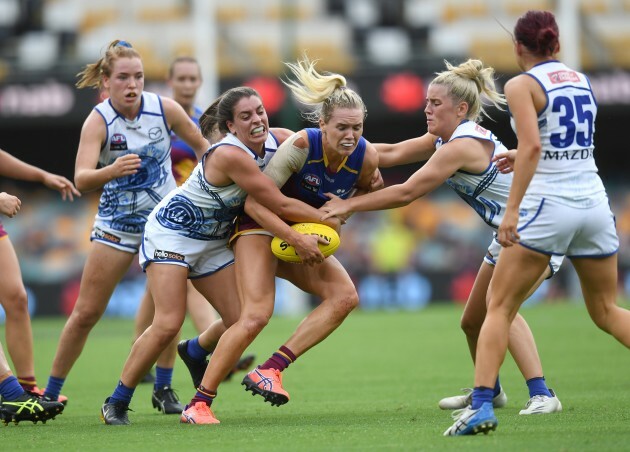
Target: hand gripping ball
x=283, y=251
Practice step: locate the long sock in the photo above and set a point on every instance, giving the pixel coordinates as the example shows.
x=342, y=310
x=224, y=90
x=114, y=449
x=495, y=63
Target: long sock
x=122, y=393
x=53, y=388
x=280, y=360
x=10, y=388
x=203, y=395
x=28, y=383
x=538, y=386
x=163, y=377
x=480, y=396
x=497, y=387
x=195, y=350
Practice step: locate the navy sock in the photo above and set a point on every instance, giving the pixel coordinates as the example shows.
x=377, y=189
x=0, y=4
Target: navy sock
x=480, y=396
x=537, y=386
x=195, y=350
x=10, y=389
x=53, y=388
x=122, y=393
x=497, y=387
x=163, y=377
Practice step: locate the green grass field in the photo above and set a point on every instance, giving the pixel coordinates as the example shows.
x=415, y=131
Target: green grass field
x=373, y=385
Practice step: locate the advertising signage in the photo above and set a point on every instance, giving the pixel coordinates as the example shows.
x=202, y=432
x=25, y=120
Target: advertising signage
x=396, y=92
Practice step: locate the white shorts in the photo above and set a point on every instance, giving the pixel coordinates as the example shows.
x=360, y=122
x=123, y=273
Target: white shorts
x=201, y=257
x=124, y=241
x=492, y=257
x=559, y=229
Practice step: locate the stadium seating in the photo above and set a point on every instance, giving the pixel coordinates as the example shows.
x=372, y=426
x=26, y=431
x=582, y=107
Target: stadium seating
x=255, y=37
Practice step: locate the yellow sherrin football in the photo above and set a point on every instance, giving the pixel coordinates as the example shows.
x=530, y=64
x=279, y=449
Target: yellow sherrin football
x=283, y=251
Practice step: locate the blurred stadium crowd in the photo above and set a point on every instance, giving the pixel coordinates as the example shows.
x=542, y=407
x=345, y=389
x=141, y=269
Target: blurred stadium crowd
x=429, y=251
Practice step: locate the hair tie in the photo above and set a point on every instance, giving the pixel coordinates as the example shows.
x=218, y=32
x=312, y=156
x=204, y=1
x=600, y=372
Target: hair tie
x=123, y=44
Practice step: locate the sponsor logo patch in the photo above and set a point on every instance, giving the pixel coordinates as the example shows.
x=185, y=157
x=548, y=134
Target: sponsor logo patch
x=99, y=233
x=168, y=255
x=118, y=142
x=563, y=77
x=155, y=133
x=481, y=130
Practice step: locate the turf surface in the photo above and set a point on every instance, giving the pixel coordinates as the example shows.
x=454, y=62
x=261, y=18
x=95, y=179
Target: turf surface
x=372, y=385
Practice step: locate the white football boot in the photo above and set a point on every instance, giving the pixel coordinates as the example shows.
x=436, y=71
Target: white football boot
x=542, y=404
x=462, y=401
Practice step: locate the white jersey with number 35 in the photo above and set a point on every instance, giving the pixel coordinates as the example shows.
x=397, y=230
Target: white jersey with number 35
x=567, y=124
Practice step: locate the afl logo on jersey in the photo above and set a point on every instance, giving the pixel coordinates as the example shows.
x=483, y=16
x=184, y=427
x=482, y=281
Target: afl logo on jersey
x=155, y=133
x=118, y=142
x=311, y=182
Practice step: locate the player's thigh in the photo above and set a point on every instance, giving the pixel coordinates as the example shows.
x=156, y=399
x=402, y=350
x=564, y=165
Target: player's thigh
x=326, y=280
x=475, y=309
x=197, y=304
x=516, y=272
x=10, y=275
x=104, y=268
x=219, y=289
x=168, y=285
x=598, y=278
x=255, y=269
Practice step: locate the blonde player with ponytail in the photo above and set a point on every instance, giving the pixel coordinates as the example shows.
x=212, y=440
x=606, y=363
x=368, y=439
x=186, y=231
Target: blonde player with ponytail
x=461, y=154
x=333, y=157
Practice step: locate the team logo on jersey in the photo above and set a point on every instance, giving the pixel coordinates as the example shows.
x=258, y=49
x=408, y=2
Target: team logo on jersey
x=563, y=77
x=311, y=182
x=118, y=142
x=155, y=133
x=168, y=255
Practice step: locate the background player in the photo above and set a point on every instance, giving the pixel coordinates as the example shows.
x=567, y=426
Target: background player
x=460, y=153
x=125, y=150
x=557, y=205
x=13, y=297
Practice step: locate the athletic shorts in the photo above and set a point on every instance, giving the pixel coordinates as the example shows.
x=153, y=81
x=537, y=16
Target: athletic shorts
x=3, y=232
x=492, y=257
x=245, y=225
x=124, y=241
x=559, y=229
x=201, y=257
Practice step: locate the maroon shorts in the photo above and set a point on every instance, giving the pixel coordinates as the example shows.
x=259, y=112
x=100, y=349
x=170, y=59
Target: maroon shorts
x=3, y=233
x=245, y=225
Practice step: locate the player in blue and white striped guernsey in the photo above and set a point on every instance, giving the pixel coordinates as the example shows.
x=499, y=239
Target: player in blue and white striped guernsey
x=553, y=110
x=186, y=237
x=125, y=151
x=460, y=153
x=309, y=163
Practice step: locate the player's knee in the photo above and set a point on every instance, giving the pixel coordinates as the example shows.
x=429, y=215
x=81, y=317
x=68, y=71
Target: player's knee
x=16, y=302
x=167, y=332
x=470, y=326
x=601, y=318
x=84, y=318
x=254, y=324
x=347, y=303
